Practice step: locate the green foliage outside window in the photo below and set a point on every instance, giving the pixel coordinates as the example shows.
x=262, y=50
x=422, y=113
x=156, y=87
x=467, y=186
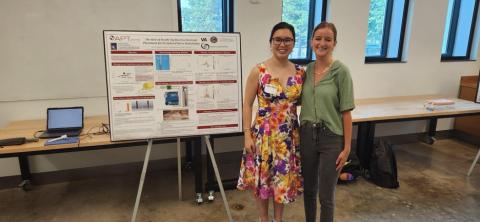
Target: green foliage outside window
x=376, y=22
x=296, y=13
x=201, y=15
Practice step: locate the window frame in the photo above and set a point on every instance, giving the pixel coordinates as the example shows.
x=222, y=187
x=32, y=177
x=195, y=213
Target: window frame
x=311, y=24
x=227, y=16
x=386, y=35
x=448, y=56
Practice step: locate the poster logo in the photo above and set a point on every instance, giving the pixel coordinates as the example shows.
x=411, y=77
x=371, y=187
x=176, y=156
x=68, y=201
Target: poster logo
x=213, y=39
x=205, y=46
x=119, y=38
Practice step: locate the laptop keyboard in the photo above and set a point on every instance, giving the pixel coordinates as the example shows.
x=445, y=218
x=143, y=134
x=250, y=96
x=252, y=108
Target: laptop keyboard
x=58, y=134
x=62, y=141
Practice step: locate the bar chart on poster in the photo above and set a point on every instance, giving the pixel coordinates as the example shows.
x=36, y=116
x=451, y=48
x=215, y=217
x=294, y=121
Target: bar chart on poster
x=171, y=84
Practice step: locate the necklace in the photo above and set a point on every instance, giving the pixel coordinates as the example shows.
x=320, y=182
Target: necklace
x=324, y=70
x=320, y=75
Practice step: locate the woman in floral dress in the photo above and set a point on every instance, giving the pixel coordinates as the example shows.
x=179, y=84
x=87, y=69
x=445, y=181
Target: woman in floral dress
x=270, y=164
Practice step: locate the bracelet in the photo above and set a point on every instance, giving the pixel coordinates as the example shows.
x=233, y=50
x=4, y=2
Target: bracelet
x=246, y=129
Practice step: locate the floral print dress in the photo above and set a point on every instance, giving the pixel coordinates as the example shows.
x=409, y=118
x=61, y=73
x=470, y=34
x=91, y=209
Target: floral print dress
x=274, y=169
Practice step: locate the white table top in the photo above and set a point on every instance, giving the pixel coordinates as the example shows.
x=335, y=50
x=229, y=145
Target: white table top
x=405, y=107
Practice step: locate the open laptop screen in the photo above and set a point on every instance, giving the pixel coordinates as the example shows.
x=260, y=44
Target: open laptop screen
x=64, y=118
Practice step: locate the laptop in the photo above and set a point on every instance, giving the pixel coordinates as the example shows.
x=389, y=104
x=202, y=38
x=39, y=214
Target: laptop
x=63, y=121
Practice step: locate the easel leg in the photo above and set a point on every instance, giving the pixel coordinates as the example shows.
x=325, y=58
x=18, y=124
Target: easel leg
x=142, y=179
x=210, y=176
x=219, y=180
x=474, y=163
x=179, y=168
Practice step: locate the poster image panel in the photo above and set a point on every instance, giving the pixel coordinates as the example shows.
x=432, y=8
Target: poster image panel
x=172, y=84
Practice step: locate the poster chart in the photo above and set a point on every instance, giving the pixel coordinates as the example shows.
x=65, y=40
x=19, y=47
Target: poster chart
x=172, y=84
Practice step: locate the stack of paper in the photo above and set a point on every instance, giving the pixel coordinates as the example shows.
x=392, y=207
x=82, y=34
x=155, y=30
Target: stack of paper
x=439, y=104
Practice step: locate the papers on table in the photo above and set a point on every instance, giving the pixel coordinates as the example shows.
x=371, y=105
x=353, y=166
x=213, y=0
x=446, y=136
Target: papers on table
x=439, y=104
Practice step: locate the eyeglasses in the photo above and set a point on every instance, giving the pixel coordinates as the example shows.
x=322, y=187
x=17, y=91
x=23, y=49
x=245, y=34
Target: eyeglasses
x=286, y=41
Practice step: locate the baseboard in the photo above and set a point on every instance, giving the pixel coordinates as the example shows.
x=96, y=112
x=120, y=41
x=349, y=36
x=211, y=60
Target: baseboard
x=9, y=181
x=465, y=137
x=89, y=173
x=415, y=137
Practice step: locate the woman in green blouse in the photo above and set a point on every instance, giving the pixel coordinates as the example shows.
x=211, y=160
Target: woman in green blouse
x=326, y=123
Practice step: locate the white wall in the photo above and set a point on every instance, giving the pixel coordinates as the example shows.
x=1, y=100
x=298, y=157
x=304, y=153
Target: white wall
x=422, y=73
x=53, y=49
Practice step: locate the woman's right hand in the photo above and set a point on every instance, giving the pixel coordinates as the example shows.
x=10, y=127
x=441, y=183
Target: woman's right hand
x=249, y=144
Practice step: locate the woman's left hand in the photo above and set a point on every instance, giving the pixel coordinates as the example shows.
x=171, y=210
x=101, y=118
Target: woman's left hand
x=342, y=158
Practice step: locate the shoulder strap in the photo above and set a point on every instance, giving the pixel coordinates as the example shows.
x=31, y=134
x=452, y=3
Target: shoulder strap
x=261, y=71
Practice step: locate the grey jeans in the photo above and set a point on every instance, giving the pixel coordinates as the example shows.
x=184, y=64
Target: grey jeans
x=319, y=149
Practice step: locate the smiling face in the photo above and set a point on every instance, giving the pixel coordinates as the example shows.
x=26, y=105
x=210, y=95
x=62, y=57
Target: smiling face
x=323, y=42
x=282, y=43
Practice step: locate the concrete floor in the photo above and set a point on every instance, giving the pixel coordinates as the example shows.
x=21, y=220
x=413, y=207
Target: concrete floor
x=433, y=187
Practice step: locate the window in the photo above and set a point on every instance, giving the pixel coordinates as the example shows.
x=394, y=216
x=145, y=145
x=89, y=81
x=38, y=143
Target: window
x=303, y=15
x=459, y=29
x=205, y=15
x=386, y=29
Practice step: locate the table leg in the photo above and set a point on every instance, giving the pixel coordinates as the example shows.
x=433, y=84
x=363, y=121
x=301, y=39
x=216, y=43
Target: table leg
x=370, y=139
x=188, y=155
x=25, y=172
x=212, y=185
x=361, y=136
x=197, y=158
x=432, y=129
x=370, y=142
x=365, y=141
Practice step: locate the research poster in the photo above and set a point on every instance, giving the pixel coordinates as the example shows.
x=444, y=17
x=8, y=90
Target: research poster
x=172, y=84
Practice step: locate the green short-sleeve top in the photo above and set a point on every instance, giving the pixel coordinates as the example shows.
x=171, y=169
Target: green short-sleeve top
x=329, y=98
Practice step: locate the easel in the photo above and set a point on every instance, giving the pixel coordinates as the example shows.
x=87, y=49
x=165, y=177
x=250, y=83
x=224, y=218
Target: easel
x=474, y=163
x=214, y=164
x=142, y=178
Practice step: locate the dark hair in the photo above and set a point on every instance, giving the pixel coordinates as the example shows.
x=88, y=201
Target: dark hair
x=282, y=25
x=329, y=25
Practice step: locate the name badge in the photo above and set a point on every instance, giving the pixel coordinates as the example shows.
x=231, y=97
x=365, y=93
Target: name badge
x=270, y=89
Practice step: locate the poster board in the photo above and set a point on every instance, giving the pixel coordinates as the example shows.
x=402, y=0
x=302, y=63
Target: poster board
x=172, y=84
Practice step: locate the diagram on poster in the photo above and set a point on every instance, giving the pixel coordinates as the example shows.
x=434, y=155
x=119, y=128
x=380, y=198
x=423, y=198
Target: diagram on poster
x=172, y=84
